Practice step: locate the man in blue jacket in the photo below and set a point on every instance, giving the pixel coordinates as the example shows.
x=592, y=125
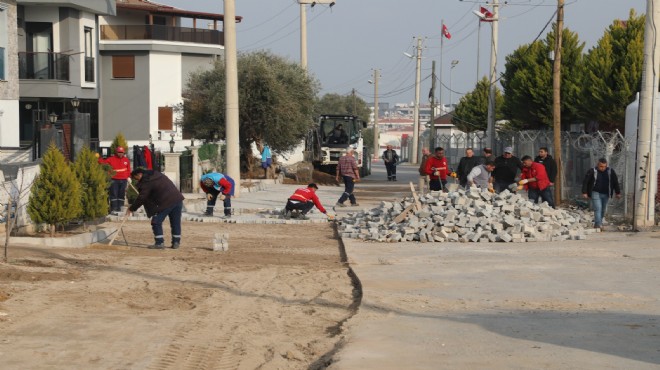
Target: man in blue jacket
x=217, y=185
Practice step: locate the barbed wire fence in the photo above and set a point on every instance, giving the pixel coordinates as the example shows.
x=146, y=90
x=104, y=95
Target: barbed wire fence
x=580, y=152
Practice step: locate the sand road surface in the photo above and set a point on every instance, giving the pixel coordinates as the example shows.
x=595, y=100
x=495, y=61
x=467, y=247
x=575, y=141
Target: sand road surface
x=275, y=300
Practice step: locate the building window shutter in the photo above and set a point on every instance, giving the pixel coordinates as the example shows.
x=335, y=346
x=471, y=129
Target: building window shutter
x=165, y=118
x=123, y=66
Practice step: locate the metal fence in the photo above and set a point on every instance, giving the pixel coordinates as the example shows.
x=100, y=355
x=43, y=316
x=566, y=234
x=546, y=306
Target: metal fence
x=580, y=151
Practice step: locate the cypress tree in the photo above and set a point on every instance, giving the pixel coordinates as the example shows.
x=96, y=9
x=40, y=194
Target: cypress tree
x=94, y=184
x=119, y=140
x=55, y=196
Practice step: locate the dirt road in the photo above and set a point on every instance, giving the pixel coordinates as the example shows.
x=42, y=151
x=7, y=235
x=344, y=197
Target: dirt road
x=276, y=299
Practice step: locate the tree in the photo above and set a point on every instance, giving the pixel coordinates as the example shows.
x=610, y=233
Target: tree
x=55, y=197
x=94, y=184
x=471, y=113
x=613, y=73
x=119, y=140
x=527, y=82
x=276, y=102
x=342, y=104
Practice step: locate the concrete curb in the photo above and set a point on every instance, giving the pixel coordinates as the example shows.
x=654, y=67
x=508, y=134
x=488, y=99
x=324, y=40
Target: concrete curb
x=75, y=241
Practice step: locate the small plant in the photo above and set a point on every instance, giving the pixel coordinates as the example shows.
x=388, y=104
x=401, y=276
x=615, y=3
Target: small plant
x=55, y=198
x=94, y=185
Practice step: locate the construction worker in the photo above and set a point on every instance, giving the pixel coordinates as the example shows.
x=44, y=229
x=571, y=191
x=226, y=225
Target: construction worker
x=437, y=169
x=506, y=169
x=535, y=178
x=217, y=185
x=349, y=171
x=423, y=177
x=465, y=165
x=121, y=166
x=160, y=198
x=303, y=200
x=600, y=184
x=391, y=159
x=480, y=176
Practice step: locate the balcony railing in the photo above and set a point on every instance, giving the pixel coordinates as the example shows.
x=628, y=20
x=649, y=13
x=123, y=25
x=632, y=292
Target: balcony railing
x=164, y=33
x=89, y=69
x=43, y=66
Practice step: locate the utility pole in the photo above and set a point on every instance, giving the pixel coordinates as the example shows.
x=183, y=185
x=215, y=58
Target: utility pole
x=645, y=172
x=354, y=102
x=376, y=143
x=556, y=98
x=303, y=35
x=303, y=27
x=432, y=128
x=493, y=74
x=231, y=95
x=418, y=78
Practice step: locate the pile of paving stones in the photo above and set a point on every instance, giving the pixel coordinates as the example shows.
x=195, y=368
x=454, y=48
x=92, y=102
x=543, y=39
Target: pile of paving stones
x=467, y=216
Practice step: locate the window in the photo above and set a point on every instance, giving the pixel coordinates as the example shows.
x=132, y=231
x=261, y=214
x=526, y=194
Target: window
x=165, y=118
x=3, y=40
x=89, y=56
x=123, y=66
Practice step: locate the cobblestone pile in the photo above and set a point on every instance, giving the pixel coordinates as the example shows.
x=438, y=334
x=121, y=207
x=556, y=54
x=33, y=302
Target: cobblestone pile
x=466, y=216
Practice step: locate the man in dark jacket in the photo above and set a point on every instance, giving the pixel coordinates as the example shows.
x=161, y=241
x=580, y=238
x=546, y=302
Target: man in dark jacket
x=506, y=169
x=465, y=165
x=599, y=184
x=160, y=199
x=549, y=163
x=391, y=159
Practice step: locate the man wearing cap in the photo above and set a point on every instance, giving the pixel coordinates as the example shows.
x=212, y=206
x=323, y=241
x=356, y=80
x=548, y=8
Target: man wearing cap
x=303, y=199
x=217, y=185
x=121, y=167
x=506, y=169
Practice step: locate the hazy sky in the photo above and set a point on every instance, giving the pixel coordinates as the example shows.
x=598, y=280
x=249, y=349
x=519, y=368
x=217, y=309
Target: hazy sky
x=346, y=42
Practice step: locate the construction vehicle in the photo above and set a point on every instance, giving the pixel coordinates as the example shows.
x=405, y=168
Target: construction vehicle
x=331, y=137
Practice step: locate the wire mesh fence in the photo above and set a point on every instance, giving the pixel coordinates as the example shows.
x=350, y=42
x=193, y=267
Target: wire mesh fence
x=580, y=152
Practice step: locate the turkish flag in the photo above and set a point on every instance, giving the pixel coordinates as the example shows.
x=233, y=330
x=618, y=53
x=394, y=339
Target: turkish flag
x=445, y=32
x=487, y=15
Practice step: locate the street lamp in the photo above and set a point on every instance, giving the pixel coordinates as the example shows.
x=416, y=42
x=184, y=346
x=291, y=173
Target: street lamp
x=453, y=64
x=52, y=118
x=75, y=103
x=172, y=143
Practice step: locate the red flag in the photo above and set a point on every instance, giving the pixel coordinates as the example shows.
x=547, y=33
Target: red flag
x=445, y=32
x=487, y=15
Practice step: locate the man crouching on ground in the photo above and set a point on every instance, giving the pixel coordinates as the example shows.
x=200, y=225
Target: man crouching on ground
x=160, y=198
x=303, y=200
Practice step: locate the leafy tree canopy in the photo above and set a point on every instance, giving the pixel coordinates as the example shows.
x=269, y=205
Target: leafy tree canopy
x=276, y=102
x=342, y=104
x=471, y=112
x=527, y=82
x=613, y=72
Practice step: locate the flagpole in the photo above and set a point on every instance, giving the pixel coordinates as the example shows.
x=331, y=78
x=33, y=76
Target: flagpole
x=442, y=44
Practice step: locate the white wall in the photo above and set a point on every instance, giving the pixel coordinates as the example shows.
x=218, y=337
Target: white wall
x=164, y=86
x=9, y=117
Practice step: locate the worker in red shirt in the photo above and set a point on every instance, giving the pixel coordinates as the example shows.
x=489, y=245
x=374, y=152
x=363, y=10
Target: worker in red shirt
x=535, y=178
x=121, y=167
x=303, y=200
x=437, y=169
